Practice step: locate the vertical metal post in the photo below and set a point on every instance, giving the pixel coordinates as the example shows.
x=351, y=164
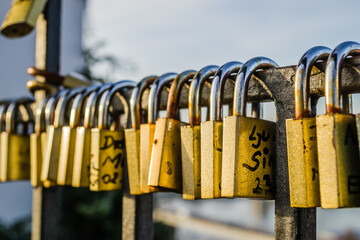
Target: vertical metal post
x=290, y=223
x=137, y=219
x=45, y=200
x=137, y=215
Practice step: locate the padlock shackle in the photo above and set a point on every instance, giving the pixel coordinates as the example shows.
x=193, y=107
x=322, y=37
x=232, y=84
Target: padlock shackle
x=3, y=108
x=78, y=105
x=91, y=103
x=333, y=74
x=243, y=79
x=217, y=88
x=135, y=100
x=302, y=79
x=195, y=93
x=51, y=105
x=35, y=85
x=172, y=108
x=40, y=123
x=12, y=111
x=62, y=104
x=105, y=102
x=155, y=95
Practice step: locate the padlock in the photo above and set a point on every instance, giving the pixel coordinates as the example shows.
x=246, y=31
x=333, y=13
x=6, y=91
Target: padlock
x=147, y=130
x=21, y=18
x=190, y=136
x=37, y=141
x=132, y=135
x=81, y=168
x=50, y=164
x=49, y=120
x=68, y=139
x=249, y=145
x=337, y=142
x=15, y=145
x=165, y=165
x=211, y=134
x=107, y=145
x=3, y=108
x=301, y=136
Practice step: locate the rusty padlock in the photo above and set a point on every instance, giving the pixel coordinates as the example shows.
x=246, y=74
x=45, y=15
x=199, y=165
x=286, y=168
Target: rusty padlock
x=147, y=130
x=165, y=166
x=338, y=153
x=301, y=136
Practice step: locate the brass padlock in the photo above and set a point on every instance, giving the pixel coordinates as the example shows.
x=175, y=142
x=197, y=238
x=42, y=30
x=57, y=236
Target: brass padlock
x=165, y=165
x=107, y=145
x=249, y=145
x=190, y=136
x=68, y=139
x=21, y=18
x=81, y=168
x=49, y=120
x=15, y=145
x=301, y=136
x=212, y=133
x=147, y=130
x=37, y=141
x=337, y=142
x=49, y=169
x=132, y=135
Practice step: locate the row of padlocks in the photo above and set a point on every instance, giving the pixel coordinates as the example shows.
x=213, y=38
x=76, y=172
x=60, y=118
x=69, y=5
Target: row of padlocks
x=78, y=137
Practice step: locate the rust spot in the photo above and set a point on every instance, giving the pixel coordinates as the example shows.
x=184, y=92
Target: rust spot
x=332, y=109
x=300, y=114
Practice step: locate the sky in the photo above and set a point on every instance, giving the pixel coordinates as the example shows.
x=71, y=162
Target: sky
x=160, y=35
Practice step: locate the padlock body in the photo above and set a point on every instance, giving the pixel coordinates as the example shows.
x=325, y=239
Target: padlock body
x=22, y=17
x=339, y=161
x=132, y=142
x=15, y=157
x=49, y=168
x=165, y=166
x=147, y=132
x=303, y=162
x=211, y=158
x=66, y=156
x=37, y=142
x=106, y=163
x=190, y=159
x=249, y=144
x=81, y=167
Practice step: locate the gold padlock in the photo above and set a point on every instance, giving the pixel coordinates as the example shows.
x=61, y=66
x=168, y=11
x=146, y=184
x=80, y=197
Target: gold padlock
x=337, y=143
x=212, y=133
x=190, y=136
x=37, y=141
x=301, y=136
x=165, y=166
x=68, y=139
x=21, y=18
x=81, y=168
x=147, y=130
x=15, y=146
x=49, y=120
x=249, y=145
x=107, y=145
x=49, y=169
x=132, y=135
